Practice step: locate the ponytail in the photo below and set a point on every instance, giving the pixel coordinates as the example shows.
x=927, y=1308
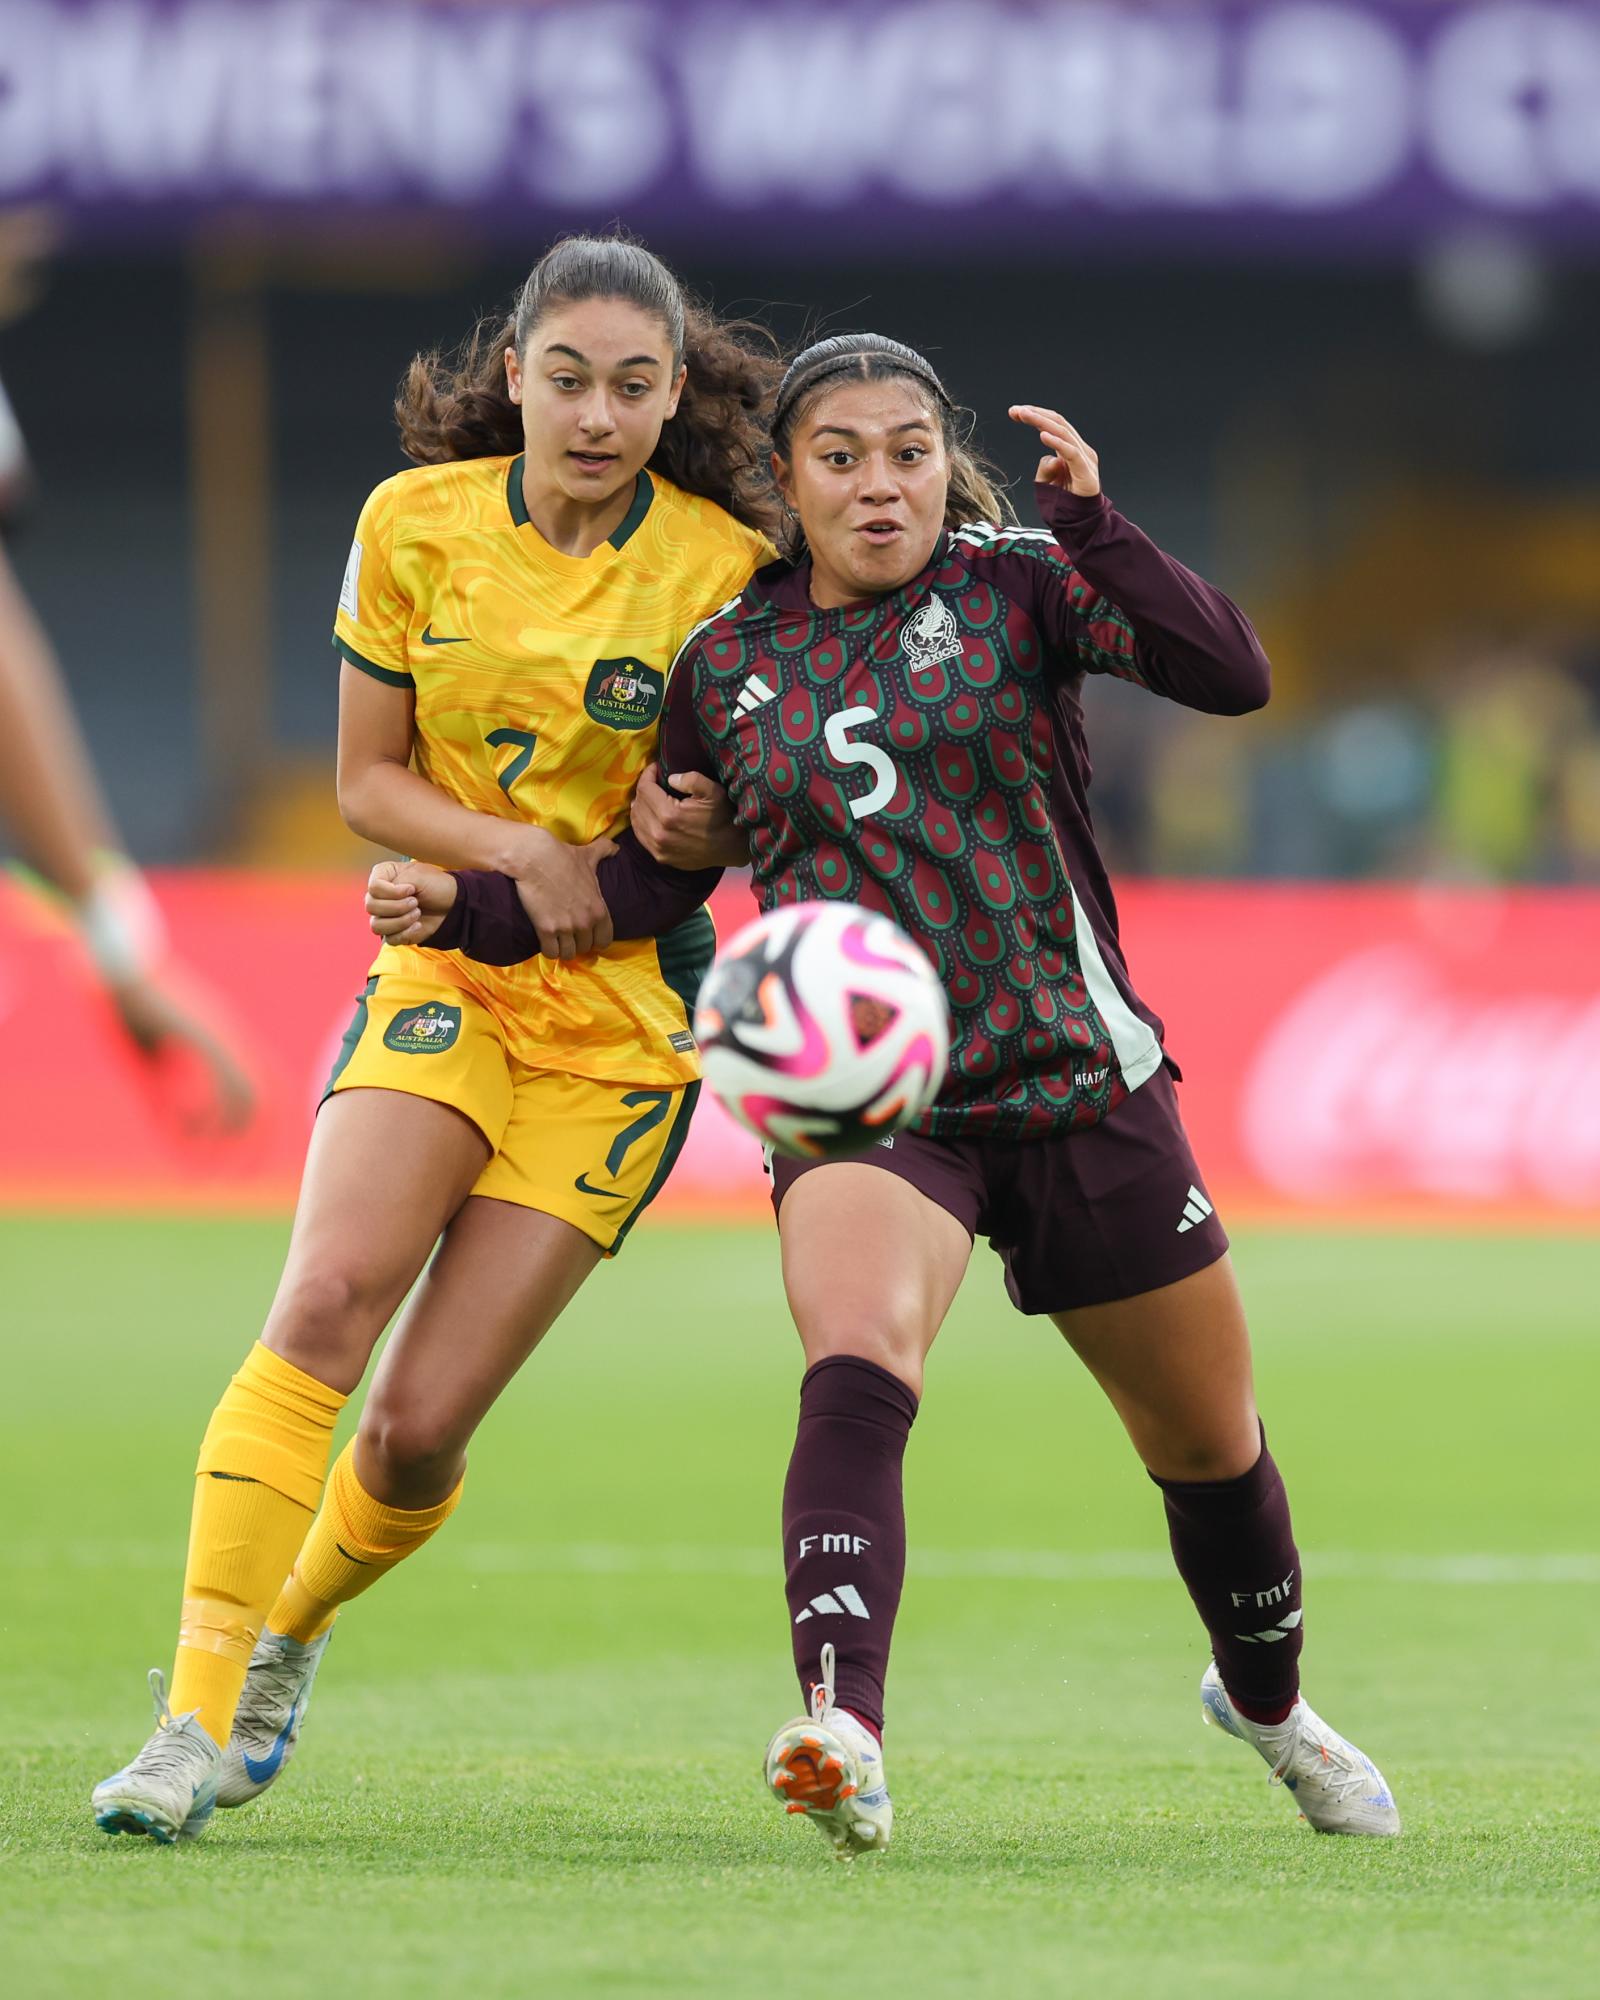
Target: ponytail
x=716, y=444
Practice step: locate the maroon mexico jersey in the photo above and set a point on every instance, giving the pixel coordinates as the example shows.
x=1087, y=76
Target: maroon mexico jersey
x=923, y=754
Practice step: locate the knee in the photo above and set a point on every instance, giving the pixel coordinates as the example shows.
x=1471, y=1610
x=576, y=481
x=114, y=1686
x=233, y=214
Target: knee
x=1196, y=1461
x=883, y=1340
x=410, y=1449
x=327, y=1317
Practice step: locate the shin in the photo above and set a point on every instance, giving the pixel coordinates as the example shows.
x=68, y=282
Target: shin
x=844, y=1527
x=1234, y=1546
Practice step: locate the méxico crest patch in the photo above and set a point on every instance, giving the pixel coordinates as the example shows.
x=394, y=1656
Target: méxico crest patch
x=932, y=636
x=624, y=694
x=423, y=1031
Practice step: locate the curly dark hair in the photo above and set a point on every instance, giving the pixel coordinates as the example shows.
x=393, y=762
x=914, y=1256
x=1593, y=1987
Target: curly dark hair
x=453, y=406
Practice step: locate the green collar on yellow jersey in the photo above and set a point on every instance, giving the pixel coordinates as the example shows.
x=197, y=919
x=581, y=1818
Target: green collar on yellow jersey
x=643, y=493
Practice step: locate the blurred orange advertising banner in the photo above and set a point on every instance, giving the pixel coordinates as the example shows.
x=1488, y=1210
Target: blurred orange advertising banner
x=1399, y=1055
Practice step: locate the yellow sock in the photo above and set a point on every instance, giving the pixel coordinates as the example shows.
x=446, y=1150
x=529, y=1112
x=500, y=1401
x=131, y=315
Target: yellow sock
x=257, y=1483
x=353, y=1541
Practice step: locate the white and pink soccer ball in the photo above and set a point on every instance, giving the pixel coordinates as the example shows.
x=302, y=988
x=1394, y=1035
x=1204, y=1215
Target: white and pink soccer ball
x=822, y=1028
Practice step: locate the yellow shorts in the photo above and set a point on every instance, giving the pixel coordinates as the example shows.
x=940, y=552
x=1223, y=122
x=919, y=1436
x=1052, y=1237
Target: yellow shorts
x=595, y=1154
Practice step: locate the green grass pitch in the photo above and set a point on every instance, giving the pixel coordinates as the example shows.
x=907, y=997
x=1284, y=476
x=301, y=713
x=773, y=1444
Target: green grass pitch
x=531, y=1767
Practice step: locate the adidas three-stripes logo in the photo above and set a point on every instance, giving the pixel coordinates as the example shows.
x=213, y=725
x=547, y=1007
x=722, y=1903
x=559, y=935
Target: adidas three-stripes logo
x=1195, y=1209
x=835, y=1603
x=753, y=694
x=1273, y=1633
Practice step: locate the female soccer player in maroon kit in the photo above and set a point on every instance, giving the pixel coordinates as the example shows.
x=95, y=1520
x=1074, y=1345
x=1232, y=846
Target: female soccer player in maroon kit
x=893, y=715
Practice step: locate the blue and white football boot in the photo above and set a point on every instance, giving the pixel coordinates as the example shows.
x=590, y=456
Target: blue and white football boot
x=169, y=1791
x=266, y=1725
x=1336, y=1786
x=829, y=1766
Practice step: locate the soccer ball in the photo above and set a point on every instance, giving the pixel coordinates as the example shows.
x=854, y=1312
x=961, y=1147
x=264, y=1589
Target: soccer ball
x=822, y=1028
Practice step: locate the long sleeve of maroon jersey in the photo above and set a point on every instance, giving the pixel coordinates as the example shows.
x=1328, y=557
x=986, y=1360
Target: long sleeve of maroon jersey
x=1111, y=602
x=486, y=921
x=683, y=748
x=645, y=897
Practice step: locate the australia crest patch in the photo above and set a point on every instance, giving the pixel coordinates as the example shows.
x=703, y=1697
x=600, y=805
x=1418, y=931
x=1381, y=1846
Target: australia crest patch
x=423, y=1031
x=624, y=694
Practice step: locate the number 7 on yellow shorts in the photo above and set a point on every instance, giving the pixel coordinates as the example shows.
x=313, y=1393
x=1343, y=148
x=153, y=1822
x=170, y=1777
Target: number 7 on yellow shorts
x=596, y=1153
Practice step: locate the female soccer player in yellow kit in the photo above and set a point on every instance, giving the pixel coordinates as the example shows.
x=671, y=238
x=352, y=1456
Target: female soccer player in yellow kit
x=590, y=488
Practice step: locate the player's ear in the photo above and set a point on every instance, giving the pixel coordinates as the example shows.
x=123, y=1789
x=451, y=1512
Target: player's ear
x=513, y=375
x=783, y=479
x=676, y=390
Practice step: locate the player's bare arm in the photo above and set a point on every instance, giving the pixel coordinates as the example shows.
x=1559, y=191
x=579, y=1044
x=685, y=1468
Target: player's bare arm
x=383, y=799
x=53, y=801
x=50, y=797
x=691, y=826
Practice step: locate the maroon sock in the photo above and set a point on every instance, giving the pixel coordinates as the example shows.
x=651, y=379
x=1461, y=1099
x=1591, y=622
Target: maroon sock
x=844, y=1527
x=1234, y=1547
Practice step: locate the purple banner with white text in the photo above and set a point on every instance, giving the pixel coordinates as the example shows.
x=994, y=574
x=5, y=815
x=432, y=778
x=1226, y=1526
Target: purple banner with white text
x=958, y=125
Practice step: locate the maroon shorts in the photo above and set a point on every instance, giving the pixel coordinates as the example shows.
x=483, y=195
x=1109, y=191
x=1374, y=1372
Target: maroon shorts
x=1078, y=1219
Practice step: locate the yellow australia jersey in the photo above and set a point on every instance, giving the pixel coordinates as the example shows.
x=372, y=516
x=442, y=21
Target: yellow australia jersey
x=539, y=679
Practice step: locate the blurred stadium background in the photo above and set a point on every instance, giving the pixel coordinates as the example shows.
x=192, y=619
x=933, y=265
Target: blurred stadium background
x=1322, y=284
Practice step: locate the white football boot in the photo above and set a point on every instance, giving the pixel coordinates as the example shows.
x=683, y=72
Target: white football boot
x=266, y=1727
x=829, y=1766
x=169, y=1791
x=1336, y=1786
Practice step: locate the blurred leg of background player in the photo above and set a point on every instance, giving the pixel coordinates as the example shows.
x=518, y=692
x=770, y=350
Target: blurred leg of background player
x=50, y=801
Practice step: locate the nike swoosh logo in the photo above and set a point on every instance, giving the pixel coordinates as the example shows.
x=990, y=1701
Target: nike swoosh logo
x=431, y=638
x=350, y=1558
x=583, y=1187
x=259, y=1773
